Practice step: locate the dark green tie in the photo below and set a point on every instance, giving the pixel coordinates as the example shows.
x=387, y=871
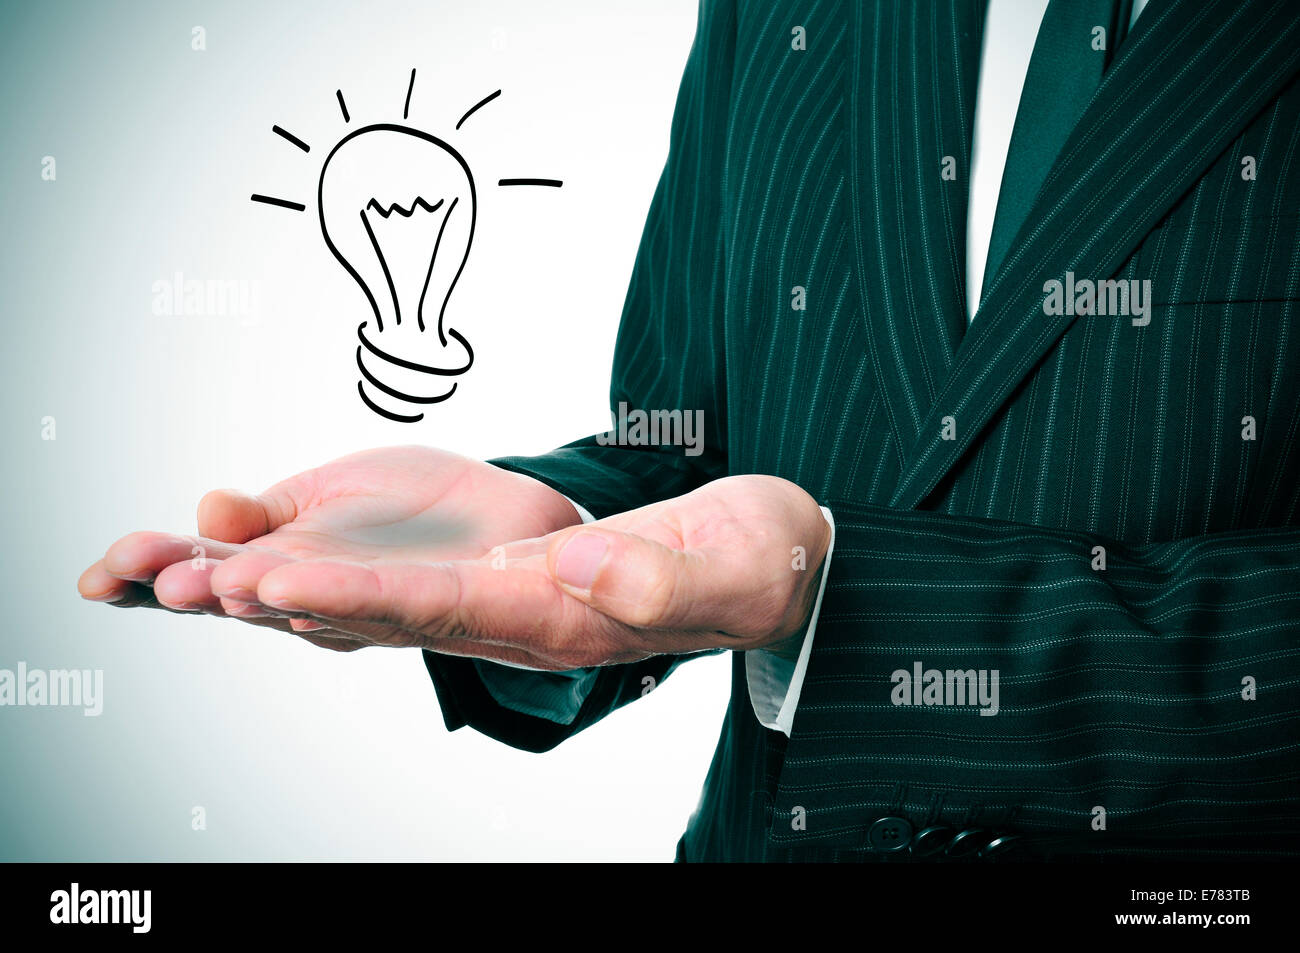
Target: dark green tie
x=1064, y=72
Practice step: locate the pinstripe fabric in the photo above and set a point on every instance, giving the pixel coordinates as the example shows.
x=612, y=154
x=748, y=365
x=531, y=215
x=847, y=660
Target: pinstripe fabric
x=1120, y=688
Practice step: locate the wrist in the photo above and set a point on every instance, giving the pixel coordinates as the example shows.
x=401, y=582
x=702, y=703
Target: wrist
x=548, y=510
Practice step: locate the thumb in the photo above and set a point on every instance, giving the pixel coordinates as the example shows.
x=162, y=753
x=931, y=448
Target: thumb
x=233, y=516
x=640, y=582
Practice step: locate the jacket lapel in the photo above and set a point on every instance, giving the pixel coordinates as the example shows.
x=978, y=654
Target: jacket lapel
x=911, y=104
x=1183, y=85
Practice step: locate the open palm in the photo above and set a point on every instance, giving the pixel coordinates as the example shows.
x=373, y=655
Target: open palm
x=412, y=504
x=733, y=564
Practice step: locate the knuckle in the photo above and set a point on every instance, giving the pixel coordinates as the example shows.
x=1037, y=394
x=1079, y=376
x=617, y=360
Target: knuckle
x=385, y=604
x=455, y=621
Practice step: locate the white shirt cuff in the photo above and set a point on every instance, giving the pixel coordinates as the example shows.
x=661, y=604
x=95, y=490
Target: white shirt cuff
x=775, y=682
x=582, y=510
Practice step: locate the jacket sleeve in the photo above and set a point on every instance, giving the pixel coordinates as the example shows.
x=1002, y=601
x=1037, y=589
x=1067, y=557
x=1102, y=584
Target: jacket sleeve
x=1073, y=690
x=668, y=357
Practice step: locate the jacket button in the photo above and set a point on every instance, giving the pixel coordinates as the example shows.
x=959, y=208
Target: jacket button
x=889, y=834
x=968, y=843
x=930, y=841
x=1001, y=847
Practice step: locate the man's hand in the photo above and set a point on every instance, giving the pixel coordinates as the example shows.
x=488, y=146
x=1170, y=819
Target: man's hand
x=411, y=546
x=401, y=503
x=732, y=565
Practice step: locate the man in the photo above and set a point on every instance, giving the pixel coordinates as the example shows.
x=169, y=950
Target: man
x=1007, y=564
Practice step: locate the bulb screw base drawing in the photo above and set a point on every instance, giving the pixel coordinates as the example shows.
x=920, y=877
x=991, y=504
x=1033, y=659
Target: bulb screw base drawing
x=398, y=388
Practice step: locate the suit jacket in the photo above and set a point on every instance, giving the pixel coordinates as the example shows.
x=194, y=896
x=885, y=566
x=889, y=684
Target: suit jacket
x=1148, y=707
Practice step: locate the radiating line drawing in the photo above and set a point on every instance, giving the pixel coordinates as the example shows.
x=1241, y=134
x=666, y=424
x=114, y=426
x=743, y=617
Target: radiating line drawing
x=281, y=203
x=398, y=208
x=476, y=107
x=291, y=137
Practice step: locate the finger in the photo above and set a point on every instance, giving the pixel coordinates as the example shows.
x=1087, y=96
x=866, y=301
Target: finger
x=465, y=608
x=371, y=633
x=321, y=635
x=130, y=595
x=234, y=584
x=139, y=596
x=306, y=625
x=333, y=644
x=237, y=577
x=391, y=636
x=399, y=595
x=139, y=557
x=187, y=585
x=646, y=584
x=242, y=610
x=99, y=585
x=236, y=517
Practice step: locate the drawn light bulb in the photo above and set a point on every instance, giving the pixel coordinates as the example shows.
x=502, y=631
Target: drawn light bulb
x=397, y=209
